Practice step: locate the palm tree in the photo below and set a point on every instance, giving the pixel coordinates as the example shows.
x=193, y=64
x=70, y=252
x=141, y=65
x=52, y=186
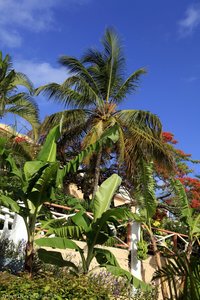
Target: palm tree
x=11, y=100
x=94, y=89
x=182, y=276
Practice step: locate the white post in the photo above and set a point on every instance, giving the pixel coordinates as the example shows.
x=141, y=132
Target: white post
x=135, y=237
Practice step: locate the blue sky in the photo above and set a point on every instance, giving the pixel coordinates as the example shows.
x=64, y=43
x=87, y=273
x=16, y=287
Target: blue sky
x=163, y=36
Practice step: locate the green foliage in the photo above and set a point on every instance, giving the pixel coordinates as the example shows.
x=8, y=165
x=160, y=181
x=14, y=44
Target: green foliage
x=185, y=209
x=95, y=231
x=8, y=249
x=96, y=86
x=40, y=177
x=104, y=195
x=37, y=179
x=182, y=276
x=48, y=151
x=13, y=101
x=142, y=250
x=11, y=255
x=145, y=191
x=187, y=214
x=101, y=286
x=110, y=136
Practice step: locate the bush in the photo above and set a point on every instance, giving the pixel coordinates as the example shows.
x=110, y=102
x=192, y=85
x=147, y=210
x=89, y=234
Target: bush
x=47, y=287
x=11, y=255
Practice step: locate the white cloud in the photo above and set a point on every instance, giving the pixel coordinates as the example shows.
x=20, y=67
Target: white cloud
x=41, y=73
x=10, y=38
x=32, y=15
x=191, y=21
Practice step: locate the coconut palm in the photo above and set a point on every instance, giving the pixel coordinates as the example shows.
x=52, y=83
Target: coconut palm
x=11, y=100
x=96, y=86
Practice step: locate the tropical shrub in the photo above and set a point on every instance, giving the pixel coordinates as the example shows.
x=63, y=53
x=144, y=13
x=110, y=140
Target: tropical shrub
x=101, y=286
x=95, y=230
x=38, y=179
x=11, y=255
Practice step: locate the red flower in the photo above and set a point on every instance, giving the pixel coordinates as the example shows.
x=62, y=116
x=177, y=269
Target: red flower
x=19, y=139
x=168, y=137
x=195, y=203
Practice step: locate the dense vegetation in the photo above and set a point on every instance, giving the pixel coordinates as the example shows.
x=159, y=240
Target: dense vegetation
x=99, y=148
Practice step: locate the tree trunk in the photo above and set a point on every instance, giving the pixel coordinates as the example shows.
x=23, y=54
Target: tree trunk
x=97, y=172
x=29, y=255
x=29, y=252
x=189, y=249
x=159, y=266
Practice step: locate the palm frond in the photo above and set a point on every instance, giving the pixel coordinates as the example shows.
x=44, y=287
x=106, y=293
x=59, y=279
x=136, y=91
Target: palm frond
x=143, y=119
x=183, y=277
x=24, y=106
x=70, y=119
x=94, y=134
x=93, y=56
x=121, y=145
x=139, y=144
x=144, y=191
x=75, y=67
x=13, y=102
x=89, y=96
x=60, y=94
x=114, y=59
x=22, y=79
x=129, y=86
x=185, y=209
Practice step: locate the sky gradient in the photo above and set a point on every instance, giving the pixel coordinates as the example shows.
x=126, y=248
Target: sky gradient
x=163, y=36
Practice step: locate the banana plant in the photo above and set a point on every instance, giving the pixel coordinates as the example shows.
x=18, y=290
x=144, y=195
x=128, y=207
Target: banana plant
x=187, y=214
x=39, y=177
x=145, y=196
x=182, y=274
x=94, y=229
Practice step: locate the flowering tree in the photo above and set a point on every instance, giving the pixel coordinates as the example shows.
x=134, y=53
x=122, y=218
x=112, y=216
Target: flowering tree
x=182, y=171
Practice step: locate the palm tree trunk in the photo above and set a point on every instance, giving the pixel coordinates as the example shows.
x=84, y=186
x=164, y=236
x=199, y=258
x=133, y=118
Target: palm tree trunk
x=97, y=172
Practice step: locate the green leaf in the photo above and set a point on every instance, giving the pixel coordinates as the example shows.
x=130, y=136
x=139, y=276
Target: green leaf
x=68, y=231
x=117, y=213
x=81, y=220
x=110, y=135
x=196, y=225
x=58, y=242
x=32, y=167
x=105, y=194
x=144, y=190
x=100, y=233
x=55, y=258
x=9, y=203
x=180, y=269
x=185, y=209
x=48, y=151
x=15, y=170
x=138, y=284
x=105, y=257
